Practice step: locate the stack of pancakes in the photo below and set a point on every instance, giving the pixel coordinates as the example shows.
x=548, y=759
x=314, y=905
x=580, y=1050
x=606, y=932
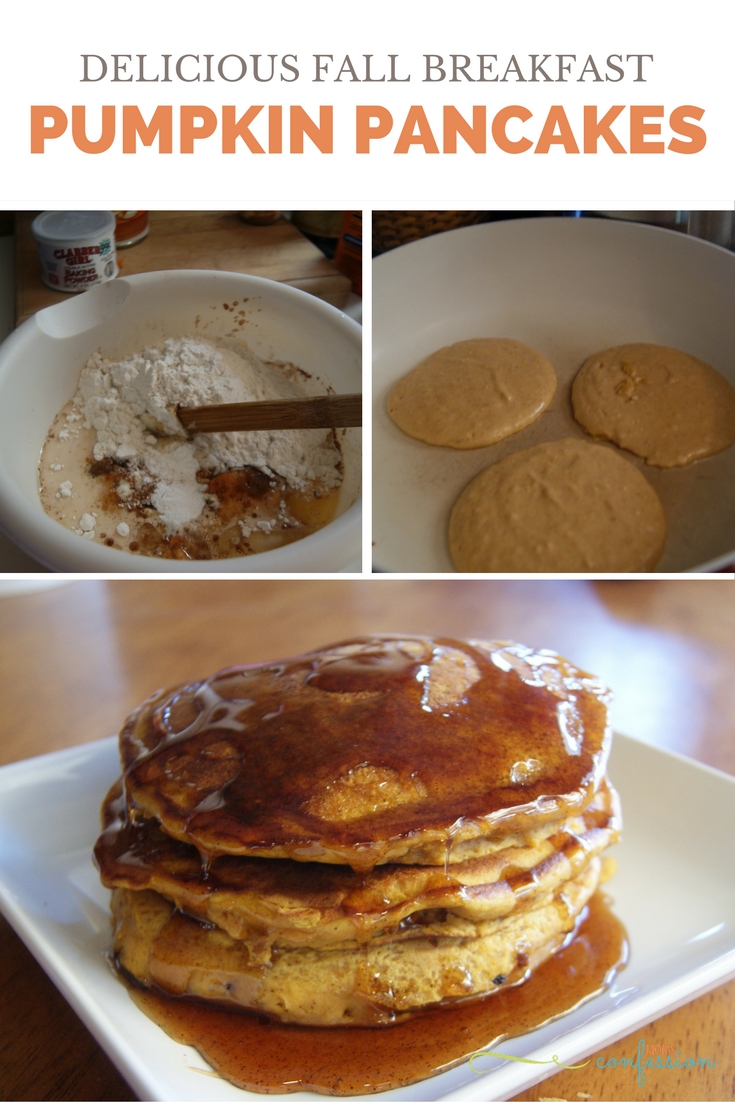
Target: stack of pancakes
x=347, y=837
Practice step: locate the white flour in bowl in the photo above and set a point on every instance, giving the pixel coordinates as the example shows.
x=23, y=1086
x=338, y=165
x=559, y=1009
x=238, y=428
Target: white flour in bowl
x=116, y=456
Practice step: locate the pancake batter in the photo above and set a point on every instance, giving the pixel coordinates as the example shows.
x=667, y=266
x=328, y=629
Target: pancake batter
x=664, y=405
x=562, y=506
x=118, y=468
x=473, y=393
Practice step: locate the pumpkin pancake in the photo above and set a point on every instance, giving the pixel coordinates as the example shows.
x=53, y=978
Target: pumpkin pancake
x=378, y=984
x=274, y=904
x=566, y=506
x=381, y=749
x=473, y=393
x=662, y=404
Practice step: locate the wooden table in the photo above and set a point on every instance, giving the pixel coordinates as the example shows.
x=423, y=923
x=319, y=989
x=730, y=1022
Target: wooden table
x=75, y=659
x=214, y=240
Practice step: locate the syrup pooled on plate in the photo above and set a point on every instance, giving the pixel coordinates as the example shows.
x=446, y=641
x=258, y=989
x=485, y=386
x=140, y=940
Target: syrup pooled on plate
x=260, y=1055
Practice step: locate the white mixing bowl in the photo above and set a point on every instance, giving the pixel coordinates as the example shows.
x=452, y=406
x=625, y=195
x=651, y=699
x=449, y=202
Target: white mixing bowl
x=39, y=368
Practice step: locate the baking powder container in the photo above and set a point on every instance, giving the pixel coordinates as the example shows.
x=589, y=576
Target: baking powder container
x=76, y=247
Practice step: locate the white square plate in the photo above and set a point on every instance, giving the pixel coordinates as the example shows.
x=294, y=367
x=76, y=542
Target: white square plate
x=568, y=287
x=667, y=865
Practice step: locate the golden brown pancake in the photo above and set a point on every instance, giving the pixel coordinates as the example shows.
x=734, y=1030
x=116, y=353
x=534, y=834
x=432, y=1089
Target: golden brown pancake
x=350, y=836
x=566, y=506
x=380, y=983
x=285, y=904
x=473, y=393
x=660, y=403
x=378, y=750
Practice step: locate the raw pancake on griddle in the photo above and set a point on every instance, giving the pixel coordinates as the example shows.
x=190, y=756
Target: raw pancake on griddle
x=662, y=404
x=381, y=749
x=473, y=393
x=567, y=506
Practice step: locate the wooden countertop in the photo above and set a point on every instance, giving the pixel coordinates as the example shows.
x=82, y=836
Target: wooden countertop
x=214, y=240
x=78, y=657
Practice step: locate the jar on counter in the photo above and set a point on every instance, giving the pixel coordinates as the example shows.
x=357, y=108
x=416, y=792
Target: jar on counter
x=322, y=227
x=348, y=254
x=131, y=226
x=318, y=223
x=259, y=217
x=76, y=247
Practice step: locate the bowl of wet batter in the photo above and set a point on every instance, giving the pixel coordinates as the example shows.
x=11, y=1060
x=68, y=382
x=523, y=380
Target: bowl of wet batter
x=96, y=473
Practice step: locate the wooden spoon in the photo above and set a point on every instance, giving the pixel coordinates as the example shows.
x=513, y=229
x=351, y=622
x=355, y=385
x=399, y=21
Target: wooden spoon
x=327, y=411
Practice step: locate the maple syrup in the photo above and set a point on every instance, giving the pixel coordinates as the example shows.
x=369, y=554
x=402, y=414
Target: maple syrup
x=260, y=1055
x=352, y=718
